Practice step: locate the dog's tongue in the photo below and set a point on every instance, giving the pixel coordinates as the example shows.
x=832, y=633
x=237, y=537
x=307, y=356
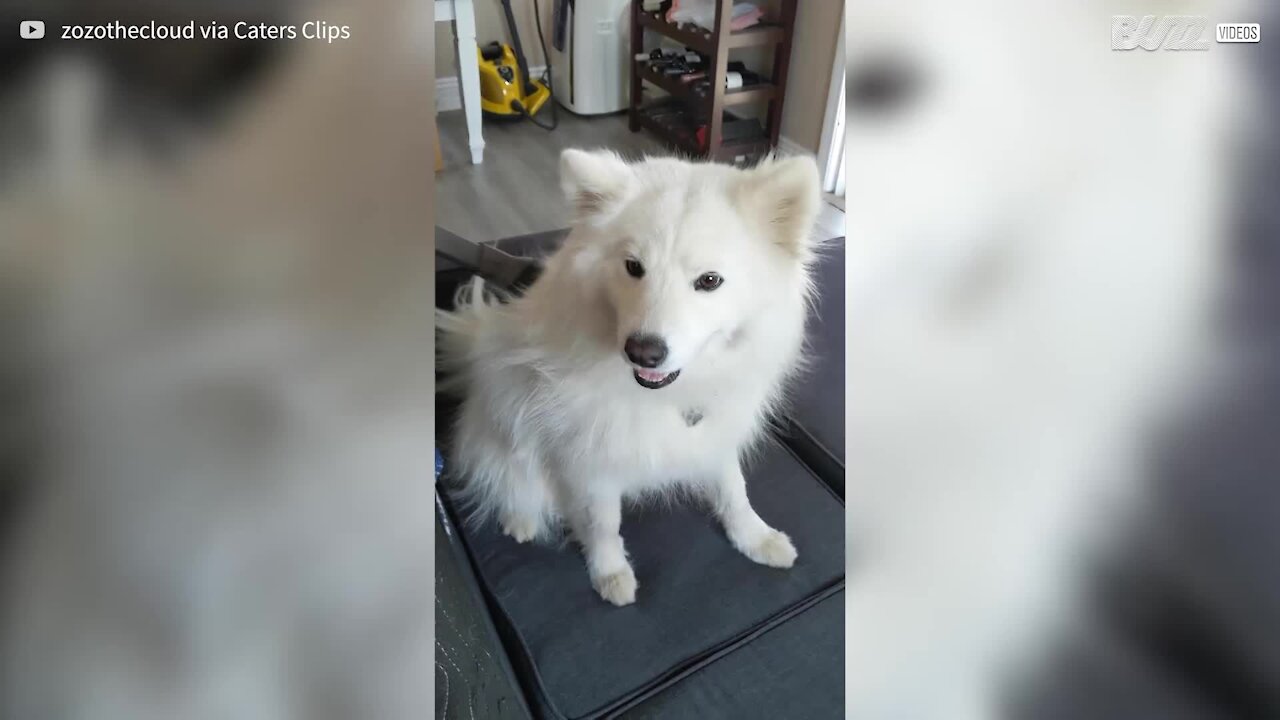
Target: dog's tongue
x=651, y=375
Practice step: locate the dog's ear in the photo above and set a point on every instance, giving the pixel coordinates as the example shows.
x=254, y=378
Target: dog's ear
x=596, y=184
x=784, y=194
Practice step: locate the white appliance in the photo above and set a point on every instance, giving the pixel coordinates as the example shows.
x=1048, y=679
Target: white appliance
x=592, y=75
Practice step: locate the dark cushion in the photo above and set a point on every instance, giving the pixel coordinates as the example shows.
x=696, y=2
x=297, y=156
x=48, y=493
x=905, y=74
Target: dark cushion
x=813, y=423
x=698, y=596
x=760, y=678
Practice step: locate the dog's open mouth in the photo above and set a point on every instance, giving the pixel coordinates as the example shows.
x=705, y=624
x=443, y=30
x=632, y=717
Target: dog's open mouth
x=653, y=379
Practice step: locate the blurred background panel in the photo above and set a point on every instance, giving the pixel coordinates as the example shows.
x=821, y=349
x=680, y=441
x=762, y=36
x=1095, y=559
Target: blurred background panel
x=216, y=365
x=1183, y=616
x=1064, y=377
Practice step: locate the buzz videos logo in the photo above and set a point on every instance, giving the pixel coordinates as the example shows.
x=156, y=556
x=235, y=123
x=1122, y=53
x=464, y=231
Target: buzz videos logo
x=1176, y=32
x=1153, y=32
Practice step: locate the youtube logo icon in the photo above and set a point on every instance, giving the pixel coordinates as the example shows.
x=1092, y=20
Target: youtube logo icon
x=31, y=29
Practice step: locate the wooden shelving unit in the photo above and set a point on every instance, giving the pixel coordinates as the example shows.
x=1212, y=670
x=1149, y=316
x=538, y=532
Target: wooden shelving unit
x=680, y=129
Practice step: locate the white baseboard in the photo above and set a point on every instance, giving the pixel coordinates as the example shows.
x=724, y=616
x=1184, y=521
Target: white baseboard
x=449, y=92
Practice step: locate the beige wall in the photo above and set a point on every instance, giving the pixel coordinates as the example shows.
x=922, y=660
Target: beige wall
x=812, y=51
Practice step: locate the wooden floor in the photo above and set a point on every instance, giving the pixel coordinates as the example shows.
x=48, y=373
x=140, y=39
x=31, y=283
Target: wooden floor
x=516, y=191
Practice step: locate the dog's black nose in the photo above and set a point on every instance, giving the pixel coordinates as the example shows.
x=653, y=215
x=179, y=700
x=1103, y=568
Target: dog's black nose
x=647, y=351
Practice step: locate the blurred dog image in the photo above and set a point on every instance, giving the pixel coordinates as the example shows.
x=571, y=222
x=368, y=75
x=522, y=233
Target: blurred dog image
x=649, y=354
x=1036, y=227
x=215, y=308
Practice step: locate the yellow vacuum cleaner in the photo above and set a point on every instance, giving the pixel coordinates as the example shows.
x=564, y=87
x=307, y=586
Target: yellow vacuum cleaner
x=502, y=92
x=506, y=90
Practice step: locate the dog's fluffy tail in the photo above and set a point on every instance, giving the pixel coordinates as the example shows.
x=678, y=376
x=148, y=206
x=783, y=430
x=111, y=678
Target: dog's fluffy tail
x=464, y=333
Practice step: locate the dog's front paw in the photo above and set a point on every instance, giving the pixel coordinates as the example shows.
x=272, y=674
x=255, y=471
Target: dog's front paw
x=774, y=549
x=521, y=529
x=618, y=588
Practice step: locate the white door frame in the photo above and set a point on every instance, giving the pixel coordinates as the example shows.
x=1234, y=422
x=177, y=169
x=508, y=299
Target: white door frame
x=831, y=148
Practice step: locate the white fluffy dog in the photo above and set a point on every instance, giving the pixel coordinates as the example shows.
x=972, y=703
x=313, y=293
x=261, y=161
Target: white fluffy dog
x=648, y=355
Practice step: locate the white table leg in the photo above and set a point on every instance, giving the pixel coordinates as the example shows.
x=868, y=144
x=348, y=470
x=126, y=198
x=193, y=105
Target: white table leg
x=464, y=34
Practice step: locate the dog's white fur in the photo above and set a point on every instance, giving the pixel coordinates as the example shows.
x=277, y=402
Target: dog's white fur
x=1032, y=252
x=555, y=428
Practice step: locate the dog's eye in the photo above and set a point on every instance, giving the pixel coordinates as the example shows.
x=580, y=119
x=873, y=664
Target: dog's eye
x=883, y=85
x=634, y=268
x=708, y=282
